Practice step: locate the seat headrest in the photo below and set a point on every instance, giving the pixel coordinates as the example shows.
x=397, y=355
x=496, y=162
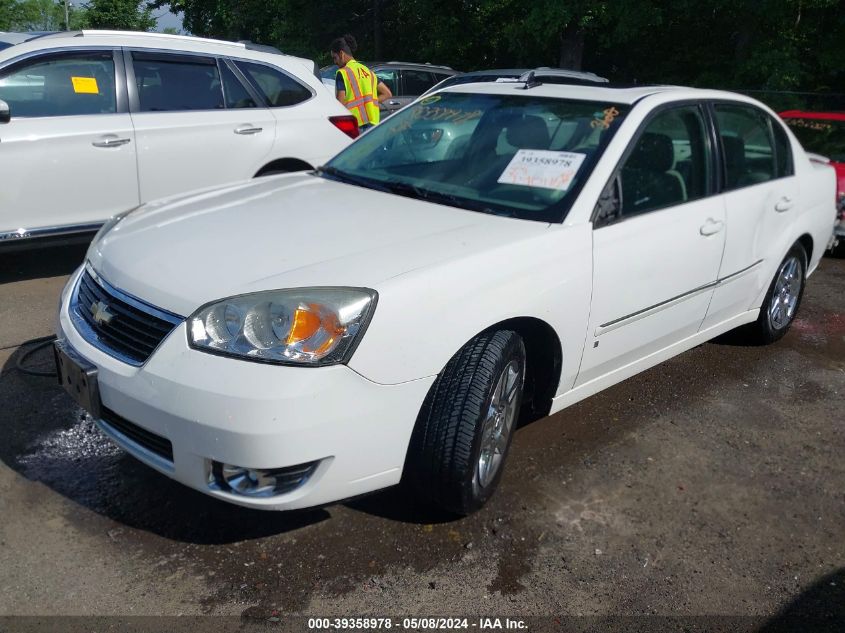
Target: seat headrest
x=528, y=132
x=653, y=152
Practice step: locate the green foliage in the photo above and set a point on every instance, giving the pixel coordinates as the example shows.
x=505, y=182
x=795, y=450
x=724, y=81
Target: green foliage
x=734, y=44
x=128, y=15
x=8, y=10
x=39, y=15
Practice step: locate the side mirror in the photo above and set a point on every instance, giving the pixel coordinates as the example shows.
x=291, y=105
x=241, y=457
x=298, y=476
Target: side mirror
x=609, y=206
x=5, y=112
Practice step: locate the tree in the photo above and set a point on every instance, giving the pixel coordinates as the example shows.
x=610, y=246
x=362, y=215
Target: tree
x=127, y=15
x=740, y=44
x=8, y=11
x=39, y=15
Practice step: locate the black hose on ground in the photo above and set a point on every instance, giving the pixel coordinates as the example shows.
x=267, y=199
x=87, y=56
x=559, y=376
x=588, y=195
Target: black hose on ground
x=40, y=343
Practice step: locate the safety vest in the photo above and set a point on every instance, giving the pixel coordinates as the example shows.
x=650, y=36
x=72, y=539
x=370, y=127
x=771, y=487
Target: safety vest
x=361, y=92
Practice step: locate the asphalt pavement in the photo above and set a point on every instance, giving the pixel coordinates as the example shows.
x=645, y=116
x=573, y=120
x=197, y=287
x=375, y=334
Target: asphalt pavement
x=711, y=484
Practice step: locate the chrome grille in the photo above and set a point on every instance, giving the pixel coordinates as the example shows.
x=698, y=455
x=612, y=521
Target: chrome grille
x=118, y=324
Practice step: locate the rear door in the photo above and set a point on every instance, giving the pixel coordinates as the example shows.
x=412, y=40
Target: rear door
x=303, y=131
x=655, y=265
x=67, y=157
x=762, y=200
x=196, y=122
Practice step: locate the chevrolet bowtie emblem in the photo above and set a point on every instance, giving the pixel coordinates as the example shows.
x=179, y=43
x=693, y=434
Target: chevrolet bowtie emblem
x=101, y=314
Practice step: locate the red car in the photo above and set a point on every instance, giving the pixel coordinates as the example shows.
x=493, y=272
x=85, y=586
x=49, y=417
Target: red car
x=823, y=133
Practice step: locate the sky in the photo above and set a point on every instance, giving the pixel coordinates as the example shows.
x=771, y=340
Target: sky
x=167, y=19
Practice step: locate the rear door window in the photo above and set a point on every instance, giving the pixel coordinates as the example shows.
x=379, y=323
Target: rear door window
x=175, y=83
x=747, y=145
x=236, y=94
x=416, y=82
x=61, y=85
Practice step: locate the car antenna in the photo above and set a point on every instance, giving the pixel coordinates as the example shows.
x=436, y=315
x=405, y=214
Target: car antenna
x=530, y=81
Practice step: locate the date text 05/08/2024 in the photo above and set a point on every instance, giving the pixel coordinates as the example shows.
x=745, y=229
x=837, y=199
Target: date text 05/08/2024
x=424, y=623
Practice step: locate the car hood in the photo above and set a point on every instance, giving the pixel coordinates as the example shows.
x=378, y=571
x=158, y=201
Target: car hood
x=286, y=232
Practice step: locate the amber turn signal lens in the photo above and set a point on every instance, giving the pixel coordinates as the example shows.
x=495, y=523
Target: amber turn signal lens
x=306, y=323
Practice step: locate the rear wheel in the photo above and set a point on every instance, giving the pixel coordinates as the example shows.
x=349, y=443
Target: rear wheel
x=783, y=299
x=464, y=430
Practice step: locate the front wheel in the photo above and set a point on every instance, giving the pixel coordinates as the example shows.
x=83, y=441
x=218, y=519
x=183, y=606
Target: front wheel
x=464, y=430
x=783, y=298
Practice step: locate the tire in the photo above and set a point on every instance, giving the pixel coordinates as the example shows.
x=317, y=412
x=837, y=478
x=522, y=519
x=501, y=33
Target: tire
x=464, y=429
x=782, y=300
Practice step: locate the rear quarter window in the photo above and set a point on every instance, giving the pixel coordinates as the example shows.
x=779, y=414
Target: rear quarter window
x=278, y=88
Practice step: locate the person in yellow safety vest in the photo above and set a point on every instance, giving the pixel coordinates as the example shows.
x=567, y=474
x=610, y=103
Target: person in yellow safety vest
x=356, y=86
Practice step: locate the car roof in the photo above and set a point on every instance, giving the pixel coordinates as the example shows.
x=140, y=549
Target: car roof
x=17, y=38
x=596, y=92
x=806, y=114
x=421, y=65
x=152, y=40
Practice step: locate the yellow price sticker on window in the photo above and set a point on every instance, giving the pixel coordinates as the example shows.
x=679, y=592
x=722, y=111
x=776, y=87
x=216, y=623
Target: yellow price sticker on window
x=85, y=85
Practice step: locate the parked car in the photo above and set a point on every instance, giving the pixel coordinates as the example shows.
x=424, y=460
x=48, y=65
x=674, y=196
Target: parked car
x=823, y=133
x=95, y=122
x=294, y=341
x=544, y=74
x=10, y=39
x=406, y=80
x=437, y=139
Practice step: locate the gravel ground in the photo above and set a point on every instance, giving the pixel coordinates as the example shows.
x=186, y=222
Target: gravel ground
x=711, y=484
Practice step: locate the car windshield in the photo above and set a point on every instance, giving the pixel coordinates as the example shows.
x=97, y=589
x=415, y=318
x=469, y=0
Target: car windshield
x=822, y=136
x=520, y=156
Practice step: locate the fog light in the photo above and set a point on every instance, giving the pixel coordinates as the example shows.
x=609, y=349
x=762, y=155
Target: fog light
x=259, y=482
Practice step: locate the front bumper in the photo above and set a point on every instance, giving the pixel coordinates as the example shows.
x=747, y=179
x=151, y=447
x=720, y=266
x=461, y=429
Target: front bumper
x=257, y=416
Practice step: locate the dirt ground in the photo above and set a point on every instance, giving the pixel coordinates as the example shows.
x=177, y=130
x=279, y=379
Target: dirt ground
x=711, y=484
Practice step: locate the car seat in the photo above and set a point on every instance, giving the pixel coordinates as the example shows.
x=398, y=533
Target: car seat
x=646, y=179
x=738, y=175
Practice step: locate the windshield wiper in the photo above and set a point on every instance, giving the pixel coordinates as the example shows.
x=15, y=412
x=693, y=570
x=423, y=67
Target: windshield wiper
x=352, y=179
x=409, y=190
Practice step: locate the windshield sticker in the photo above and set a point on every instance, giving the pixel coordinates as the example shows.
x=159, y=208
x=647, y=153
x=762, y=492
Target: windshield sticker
x=447, y=115
x=809, y=124
x=436, y=113
x=431, y=99
x=85, y=85
x=604, y=118
x=542, y=168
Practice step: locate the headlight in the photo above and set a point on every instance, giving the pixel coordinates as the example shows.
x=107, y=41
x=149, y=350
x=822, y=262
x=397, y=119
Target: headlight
x=302, y=326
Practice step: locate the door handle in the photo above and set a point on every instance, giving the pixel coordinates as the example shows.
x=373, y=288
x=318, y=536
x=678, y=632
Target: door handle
x=110, y=140
x=711, y=227
x=248, y=129
x=784, y=204
x=393, y=103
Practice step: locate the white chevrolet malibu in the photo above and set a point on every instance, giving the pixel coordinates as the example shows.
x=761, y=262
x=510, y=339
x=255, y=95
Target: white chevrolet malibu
x=488, y=255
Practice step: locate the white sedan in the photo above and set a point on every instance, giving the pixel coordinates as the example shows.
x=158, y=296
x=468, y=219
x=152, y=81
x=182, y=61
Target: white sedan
x=390, y=317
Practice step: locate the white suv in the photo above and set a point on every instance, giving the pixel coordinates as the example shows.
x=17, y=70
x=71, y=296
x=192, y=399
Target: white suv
x=96, y=122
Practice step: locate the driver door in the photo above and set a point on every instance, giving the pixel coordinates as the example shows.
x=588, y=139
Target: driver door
x=656, y=264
